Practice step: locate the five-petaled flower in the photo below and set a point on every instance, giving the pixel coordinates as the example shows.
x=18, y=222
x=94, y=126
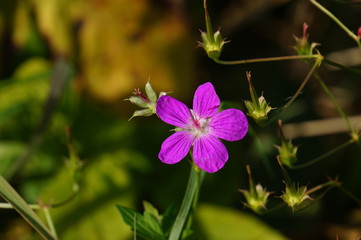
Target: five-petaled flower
x=200, y=129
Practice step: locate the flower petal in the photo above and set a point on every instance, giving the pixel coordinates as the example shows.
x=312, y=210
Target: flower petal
x=173, y=112
x=206, y=101
x=175, y=147
x=230, y=124
x=209, y=153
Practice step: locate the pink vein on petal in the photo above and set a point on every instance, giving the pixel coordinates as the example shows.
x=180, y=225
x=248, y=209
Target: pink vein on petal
x=206, y=101
x=209, y=153
x=175, y=147
x=173, y=112
x=230, y=124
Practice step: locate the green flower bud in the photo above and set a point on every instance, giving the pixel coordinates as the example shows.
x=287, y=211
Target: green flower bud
x=287, y=153
x=211, y=42
x=294, y=197
x=258, y=108
x=148, y=101
x=256, y=196
x=303, y=47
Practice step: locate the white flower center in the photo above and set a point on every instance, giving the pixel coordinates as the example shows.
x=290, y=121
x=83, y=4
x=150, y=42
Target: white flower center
x=199, y=126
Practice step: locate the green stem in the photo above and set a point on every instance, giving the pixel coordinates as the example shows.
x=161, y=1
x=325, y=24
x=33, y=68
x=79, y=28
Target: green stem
x=334, y=101
x=340, y=66
x=303, y=84
x=299, y=90
x=9, y=206
x=350, y=194
x=270, y=59
x=349, y=142
x=337, y=21
x=50, y=221
x=195, y=179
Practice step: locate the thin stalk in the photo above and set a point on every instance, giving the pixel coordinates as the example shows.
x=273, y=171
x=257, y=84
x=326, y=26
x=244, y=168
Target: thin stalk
x=340, y=66
x=208, y=22
x=334, y=101
x=195, y=178
x=334, y=150
x=270, y=59
x=350, y=194
x=50, y=221
x=9, y=206
x=305, y=81
x=299, y=90
x=337, y=21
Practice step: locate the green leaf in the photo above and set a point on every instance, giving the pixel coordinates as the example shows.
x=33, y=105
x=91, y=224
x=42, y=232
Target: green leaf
x=225, y=223
x=145, y=226
x=149, y=208
x=168, y=219
x=11, y=196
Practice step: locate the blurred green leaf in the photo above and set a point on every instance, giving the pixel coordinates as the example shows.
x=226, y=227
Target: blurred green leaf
x=8, y=152
x=145, y=225
x=11, y=196
x=104, y=181
x=149, y=208
x=232, y=225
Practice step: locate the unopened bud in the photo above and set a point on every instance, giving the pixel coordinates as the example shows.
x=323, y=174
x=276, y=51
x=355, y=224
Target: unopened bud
x=148, y=101
x=256, y=196
x=211, y=42
x=303, y=47
x=295, y=196
x=287, y=151
x=258, y=108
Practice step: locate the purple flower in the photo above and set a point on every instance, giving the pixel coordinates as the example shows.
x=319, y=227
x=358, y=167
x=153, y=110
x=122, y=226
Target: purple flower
x=200, y=129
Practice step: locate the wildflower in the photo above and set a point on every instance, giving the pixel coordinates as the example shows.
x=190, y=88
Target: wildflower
x=303, y=47
x=200, y=129
x=148, y=101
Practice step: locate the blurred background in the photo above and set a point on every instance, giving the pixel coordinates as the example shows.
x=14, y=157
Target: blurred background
x=72, y=63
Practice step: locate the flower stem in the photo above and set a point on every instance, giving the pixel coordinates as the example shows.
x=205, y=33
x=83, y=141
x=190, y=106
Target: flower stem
x=189, y=201
x=349, y=142
x=299, y=90
x=270, y=59
x=334, y=101
x=337, y=21
x=340, y=66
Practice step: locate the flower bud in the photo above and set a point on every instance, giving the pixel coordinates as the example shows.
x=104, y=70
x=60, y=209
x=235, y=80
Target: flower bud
x=295, y=196
x=359, y=33
x=256, y=197
x=303, y=47
x=258, y=108
x=287, y=152
x=148, y=101
x=211, y=42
